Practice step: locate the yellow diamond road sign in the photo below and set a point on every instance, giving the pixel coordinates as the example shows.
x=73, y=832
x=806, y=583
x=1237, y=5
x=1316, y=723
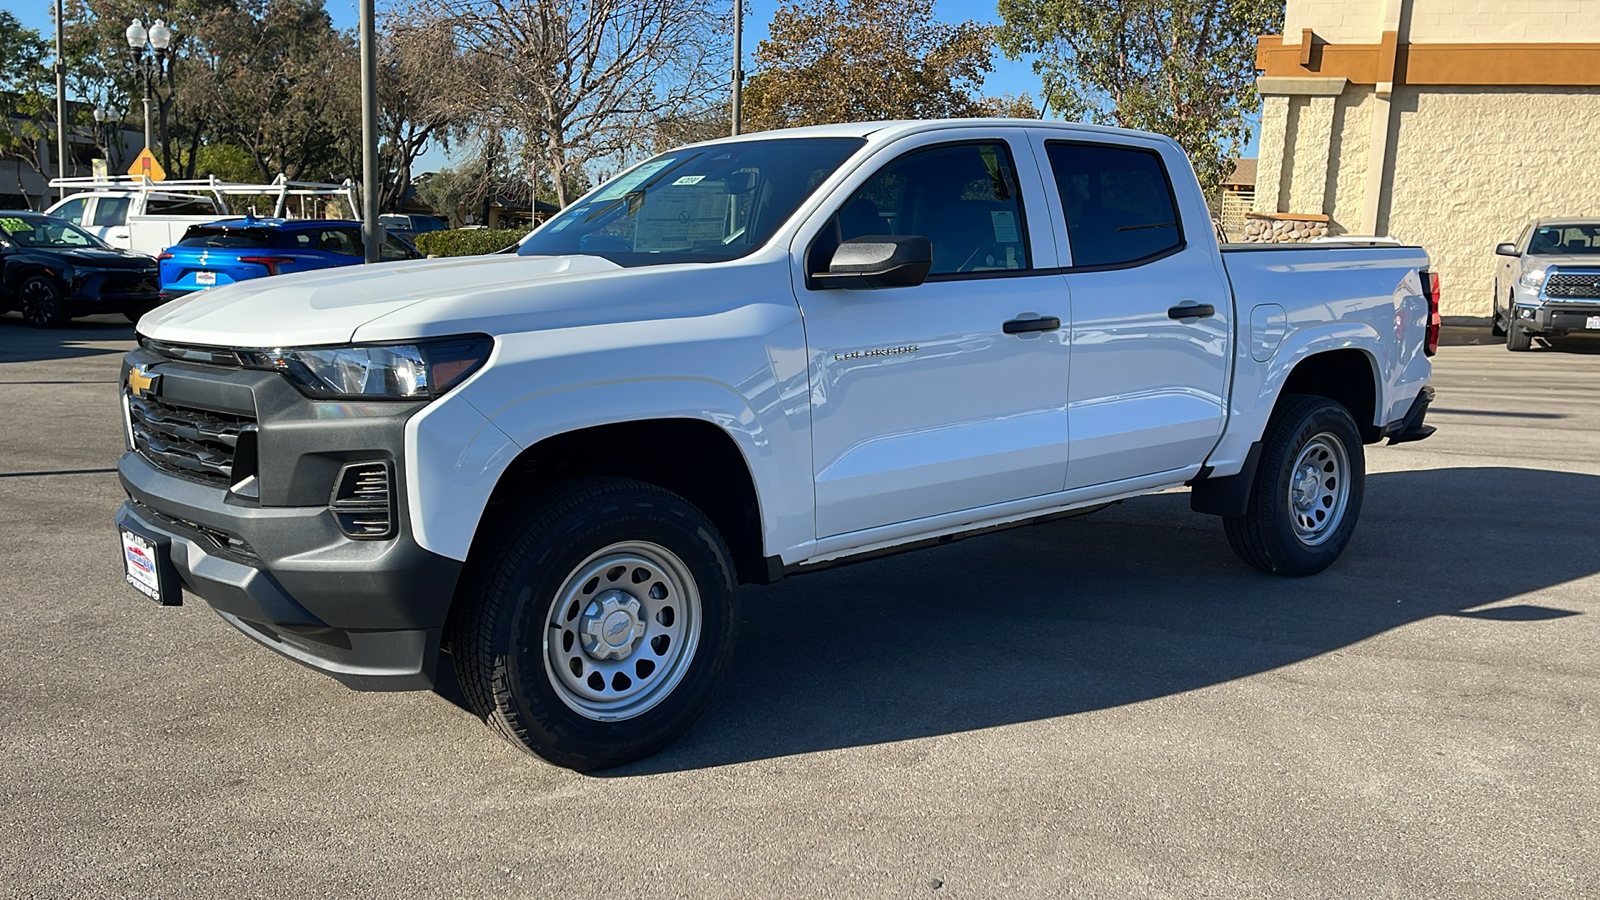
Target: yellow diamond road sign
x=145, y=164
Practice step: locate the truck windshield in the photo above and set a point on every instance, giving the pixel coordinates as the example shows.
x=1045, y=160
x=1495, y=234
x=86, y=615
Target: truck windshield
x=1562, y=240
x=700, y=204
x=47, y=232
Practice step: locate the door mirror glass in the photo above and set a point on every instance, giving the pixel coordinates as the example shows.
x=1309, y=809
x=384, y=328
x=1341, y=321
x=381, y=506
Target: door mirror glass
x=1507, y=250
x=879, y=261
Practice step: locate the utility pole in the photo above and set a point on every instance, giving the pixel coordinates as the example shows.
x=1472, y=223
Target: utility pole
x=371, y=233
x=61, y=103
x=738, y=62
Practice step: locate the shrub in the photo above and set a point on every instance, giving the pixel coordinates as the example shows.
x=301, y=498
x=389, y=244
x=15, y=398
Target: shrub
x=467, y=241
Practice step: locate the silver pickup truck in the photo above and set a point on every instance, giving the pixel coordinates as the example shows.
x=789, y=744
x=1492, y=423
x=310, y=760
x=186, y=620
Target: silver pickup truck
x=1547, y=281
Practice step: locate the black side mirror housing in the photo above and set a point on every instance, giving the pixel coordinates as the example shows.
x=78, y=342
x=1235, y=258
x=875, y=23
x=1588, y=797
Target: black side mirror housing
x=1506, y=250
x=879, y=261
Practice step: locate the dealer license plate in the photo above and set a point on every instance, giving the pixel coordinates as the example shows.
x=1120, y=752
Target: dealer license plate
x=1592, y=323
x=205, y=278
x=149, y=569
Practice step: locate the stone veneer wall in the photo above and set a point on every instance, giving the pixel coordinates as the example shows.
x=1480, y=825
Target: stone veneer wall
x=1281, y=231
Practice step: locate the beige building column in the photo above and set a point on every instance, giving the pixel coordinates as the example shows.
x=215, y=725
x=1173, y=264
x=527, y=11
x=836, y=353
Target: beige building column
x=1309, y=183
x=1269, y=156
x=1298, y=161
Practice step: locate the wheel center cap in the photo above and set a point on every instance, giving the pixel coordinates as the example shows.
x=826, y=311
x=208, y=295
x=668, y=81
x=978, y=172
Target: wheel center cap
x=1305, y=487
x=611, y=625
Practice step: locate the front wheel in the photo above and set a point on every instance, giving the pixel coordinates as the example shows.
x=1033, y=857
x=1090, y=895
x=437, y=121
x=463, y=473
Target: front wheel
x=593, y=632
x=1517, y=338
x=1307, y=492
x=43, y=302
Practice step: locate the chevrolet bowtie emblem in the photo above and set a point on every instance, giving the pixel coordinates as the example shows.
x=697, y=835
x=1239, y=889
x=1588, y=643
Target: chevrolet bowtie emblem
x=140, y=381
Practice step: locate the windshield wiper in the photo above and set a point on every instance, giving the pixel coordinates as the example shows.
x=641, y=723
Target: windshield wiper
x=1151, y=225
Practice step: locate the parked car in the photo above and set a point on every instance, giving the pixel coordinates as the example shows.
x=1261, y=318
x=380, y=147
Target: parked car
x=52, y=271
x=105, y=213
x=409, y=225
x=233, y=250
x=740, y=361
x=1547, y=281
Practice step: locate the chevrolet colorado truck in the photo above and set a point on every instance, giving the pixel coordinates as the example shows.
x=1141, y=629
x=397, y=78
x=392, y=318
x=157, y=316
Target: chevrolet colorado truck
x=736, y=362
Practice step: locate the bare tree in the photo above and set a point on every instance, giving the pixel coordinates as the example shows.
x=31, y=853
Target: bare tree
x=564, y=83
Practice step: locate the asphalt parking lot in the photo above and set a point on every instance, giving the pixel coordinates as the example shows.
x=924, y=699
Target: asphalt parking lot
x=1112, y=706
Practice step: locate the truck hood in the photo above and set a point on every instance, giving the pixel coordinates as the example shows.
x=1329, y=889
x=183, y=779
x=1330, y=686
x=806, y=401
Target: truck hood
x=328, y=306
x=1586, y=261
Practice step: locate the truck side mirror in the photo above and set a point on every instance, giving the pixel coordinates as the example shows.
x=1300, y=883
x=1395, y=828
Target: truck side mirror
x=879, y=261
x=1506, y=250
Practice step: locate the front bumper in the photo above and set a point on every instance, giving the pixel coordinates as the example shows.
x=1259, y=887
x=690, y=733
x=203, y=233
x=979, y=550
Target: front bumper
x=277, y=566
x=110, y=291
x=1558, y=318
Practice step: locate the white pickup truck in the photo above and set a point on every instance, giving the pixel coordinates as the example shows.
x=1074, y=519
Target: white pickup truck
x=736, y=362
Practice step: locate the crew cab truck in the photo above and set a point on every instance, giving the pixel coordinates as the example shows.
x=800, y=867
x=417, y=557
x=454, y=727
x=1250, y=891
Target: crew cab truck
x=739, y=361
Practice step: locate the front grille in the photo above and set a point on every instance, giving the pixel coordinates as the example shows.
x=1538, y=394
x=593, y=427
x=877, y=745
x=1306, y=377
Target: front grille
x=210, y=356
x=1573, y=285
x=194, y=443
x=132, y=283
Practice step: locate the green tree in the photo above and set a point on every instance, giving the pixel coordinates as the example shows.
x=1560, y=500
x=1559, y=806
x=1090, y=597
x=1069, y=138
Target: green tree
x=860, y=60
x=1183, y=68
x=27, y=99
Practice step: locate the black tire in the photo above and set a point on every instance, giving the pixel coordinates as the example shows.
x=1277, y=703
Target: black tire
x=508, y=607
x=1267, y=536
x=42, y=302
x=1517, y=338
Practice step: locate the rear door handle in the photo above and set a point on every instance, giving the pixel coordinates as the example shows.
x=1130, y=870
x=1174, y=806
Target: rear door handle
x=1192, y=311
x=1043, y=323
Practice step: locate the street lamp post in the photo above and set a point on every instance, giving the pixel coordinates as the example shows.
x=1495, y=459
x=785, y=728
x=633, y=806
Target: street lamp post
x=150, y=51
x=108, y=127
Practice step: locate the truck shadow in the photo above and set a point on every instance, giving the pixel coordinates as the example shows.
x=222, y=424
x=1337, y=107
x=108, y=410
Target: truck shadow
x=1141, y=601
x=20, y=343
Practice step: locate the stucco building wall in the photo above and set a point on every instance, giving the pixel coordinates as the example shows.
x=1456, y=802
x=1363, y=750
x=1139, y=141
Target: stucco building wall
x=1447, y=123
x=1488, y=161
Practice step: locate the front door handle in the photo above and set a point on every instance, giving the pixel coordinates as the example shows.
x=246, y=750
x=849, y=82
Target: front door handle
x=1192, y=311
x=1043, y=323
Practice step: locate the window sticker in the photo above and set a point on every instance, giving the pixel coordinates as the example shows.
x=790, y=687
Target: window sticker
x=1005, y=226
x=13, y=225
x=689, y=179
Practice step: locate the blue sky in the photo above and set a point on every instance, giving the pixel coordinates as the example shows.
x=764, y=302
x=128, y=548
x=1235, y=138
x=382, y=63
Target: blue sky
x=1008, y=77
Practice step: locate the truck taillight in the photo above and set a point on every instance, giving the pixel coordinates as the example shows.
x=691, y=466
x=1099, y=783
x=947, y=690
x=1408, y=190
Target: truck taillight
x=270, y=262
x=1430, y=344
x=163, y=256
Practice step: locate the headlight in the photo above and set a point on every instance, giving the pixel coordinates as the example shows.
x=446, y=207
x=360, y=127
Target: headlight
x=1533, y=278
x=416, y=371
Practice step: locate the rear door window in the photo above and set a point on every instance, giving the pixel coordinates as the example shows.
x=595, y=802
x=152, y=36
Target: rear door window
x=187, y=207
x=1118, y=202
x=344, y=241
x=225, y=238
x=111, y=211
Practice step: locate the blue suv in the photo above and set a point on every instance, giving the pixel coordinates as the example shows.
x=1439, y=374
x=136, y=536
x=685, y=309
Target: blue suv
x=238, y=249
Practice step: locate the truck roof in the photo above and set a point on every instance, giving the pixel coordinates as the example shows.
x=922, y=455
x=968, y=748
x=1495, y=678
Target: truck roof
x=892, y=129
x=278, y=224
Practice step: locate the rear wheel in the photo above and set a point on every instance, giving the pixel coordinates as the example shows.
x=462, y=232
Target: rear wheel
x=42, y=302
x=593, y=632
x=1307, y=492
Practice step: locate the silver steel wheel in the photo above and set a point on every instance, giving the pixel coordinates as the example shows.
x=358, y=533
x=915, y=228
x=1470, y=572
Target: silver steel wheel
x=622, y=631
x=1319, y=488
